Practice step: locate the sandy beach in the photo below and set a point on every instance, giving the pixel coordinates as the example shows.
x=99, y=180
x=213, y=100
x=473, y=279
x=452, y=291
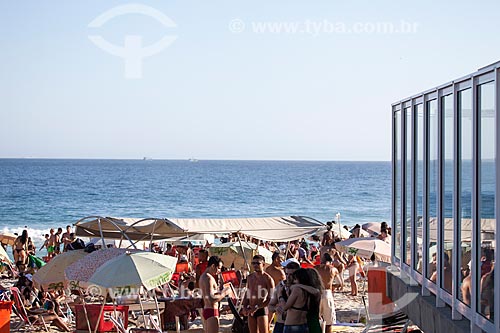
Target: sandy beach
x=349, y=308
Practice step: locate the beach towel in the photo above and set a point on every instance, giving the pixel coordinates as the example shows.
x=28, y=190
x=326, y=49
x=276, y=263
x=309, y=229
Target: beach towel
x=35, y=262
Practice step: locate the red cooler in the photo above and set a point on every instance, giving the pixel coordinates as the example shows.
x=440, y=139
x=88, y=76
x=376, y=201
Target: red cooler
x=5, y=310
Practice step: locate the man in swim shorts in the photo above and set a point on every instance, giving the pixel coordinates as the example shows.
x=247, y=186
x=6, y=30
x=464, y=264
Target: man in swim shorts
x=258, y=296
x=211, y=295
x=51, y=244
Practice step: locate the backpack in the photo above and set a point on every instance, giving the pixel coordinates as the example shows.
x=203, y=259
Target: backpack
x=78, y=244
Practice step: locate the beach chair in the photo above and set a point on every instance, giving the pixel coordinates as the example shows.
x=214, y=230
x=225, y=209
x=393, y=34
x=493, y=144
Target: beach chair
x=380, y=311
x=28, y=318
x=306, y=265
x=182, y=267
x=240, y=324
x=175, y=279
x=398, y=322
x=231, y=276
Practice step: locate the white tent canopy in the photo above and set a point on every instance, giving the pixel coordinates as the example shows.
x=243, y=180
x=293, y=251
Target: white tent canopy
x=123, y=228
x=277, y=229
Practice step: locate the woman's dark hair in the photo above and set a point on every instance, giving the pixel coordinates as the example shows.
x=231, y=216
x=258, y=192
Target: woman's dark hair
x=310, y=277
x=24, y=236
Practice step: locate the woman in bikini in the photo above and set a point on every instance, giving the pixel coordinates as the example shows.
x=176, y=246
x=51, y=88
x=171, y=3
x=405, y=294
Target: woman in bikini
x=302, y=306
x=21, y=249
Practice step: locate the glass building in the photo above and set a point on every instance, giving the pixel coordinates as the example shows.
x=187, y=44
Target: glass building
x=444, y=202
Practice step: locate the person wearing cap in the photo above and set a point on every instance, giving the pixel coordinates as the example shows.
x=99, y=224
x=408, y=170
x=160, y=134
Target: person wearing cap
x=255, y=303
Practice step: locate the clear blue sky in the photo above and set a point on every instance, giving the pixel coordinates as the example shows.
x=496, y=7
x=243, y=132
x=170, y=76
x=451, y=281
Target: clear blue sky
x=217, y=94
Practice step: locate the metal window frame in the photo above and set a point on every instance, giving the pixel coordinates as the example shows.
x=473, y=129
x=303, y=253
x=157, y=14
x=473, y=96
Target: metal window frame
x=497, y=191
x=395, y=109
x=416, y=137
x=425, y=194
x=487, y=74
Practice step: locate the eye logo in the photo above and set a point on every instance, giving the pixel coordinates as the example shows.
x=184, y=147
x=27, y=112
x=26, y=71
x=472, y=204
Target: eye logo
x=132, y=51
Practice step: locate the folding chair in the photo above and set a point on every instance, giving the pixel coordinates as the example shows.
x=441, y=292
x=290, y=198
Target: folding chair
x=240, y=324
x=231, y=276
x=182, y=267
x=24, y=314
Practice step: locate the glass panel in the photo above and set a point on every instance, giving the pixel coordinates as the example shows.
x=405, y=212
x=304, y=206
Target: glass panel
x=465, y=183
x=397, y=190
x=433, y=186
x=408, y=215
x=487, y=195
x=419, y=183
x=448, y=185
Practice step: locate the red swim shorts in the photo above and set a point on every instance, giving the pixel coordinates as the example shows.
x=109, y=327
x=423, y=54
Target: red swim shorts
x=209, y=313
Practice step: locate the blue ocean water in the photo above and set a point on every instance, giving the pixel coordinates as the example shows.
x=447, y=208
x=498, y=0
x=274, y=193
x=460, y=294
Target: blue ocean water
x=45, y=193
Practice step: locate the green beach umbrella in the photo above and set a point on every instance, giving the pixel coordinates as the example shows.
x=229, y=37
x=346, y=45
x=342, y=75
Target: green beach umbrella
x=137, y=269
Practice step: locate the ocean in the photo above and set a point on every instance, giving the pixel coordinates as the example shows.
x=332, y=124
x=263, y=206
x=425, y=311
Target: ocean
x=50, y=193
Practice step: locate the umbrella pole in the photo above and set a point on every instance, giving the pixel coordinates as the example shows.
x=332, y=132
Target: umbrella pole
x=100, y=313
x=243, y=252
x=364, y=295
x=142, y=311
x=157, y=309
x=100, y=231
x=86, y=314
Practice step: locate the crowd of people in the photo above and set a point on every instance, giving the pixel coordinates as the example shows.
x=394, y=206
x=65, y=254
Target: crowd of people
x=295, y=291
x=24, y=250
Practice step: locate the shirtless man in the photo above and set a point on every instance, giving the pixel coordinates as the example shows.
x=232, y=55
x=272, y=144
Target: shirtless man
x=51, y=244
x=260, y=288
x=66, y=238
x=447, y=281
x=211, y=295
x=57, y=246
x=202, y=266
x=467, y=289
x=275, y=269
x=328, y=274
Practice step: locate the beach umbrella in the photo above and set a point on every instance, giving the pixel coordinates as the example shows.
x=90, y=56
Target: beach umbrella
x=146, y=269
x=81, y=270
x=3, y=255
x=373, y=228
x=337, y=229
x=365, y=247
x=359, y=232
x=7, y=238
x=232, y=253
x=51, y=275
x=137, y=269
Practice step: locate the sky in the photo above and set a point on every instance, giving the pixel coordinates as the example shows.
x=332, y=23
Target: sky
x=239, y=80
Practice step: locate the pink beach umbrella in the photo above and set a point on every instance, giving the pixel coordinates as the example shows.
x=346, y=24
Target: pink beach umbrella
x=83, y=269
x=365, y=247
x=373, y=228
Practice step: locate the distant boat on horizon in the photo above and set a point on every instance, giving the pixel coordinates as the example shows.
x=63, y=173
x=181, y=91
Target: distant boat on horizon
x=194, y=160
x=147, y=158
